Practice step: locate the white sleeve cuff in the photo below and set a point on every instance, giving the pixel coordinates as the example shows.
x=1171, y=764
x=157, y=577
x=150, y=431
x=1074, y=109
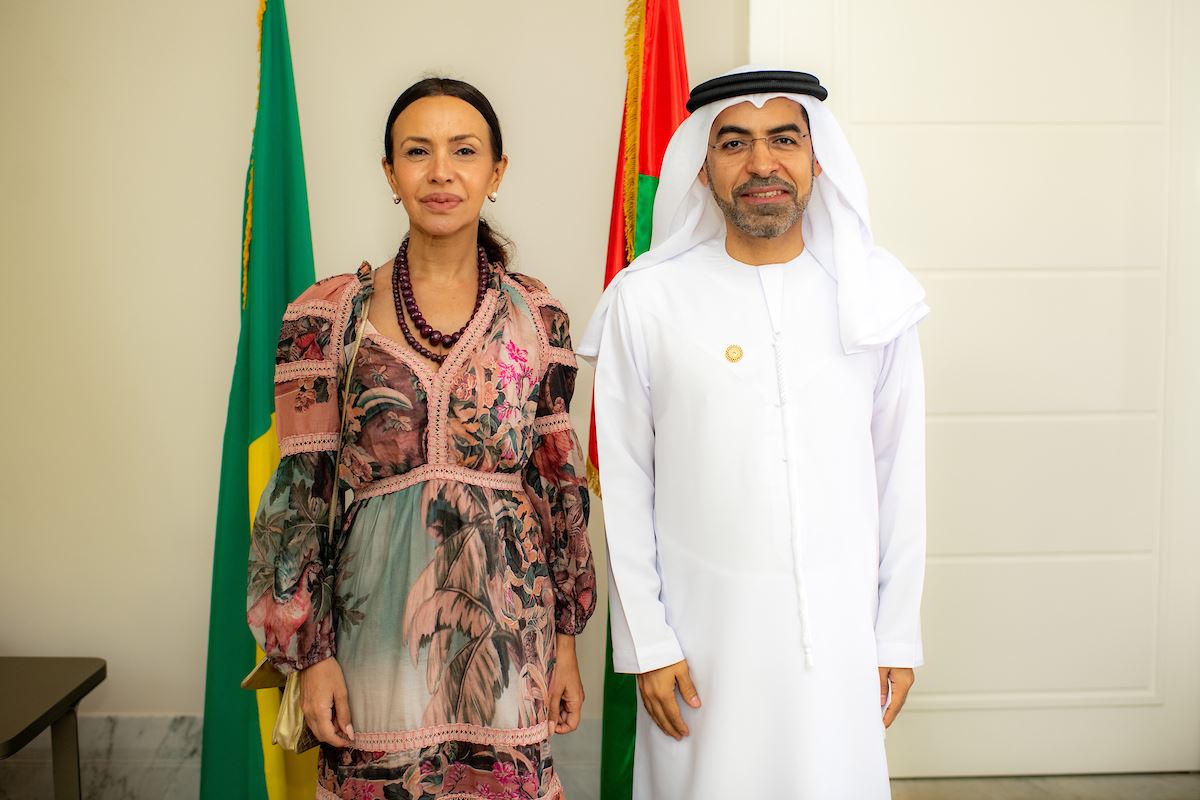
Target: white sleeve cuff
x=900, y=654
x=660, y=655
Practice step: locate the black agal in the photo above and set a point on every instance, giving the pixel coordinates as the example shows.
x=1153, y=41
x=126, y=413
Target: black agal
x=743, y=83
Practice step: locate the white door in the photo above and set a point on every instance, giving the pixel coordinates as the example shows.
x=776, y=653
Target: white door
x=1037, y=164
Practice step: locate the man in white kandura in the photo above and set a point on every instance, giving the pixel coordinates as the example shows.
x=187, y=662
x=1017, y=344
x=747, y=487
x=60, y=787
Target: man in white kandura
x=760, y=416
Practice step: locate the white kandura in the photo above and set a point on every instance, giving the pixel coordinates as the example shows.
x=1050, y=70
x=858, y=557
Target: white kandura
x=765, y=515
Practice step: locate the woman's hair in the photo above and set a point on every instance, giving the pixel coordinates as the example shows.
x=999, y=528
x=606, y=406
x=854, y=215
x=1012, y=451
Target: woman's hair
x=495, y=245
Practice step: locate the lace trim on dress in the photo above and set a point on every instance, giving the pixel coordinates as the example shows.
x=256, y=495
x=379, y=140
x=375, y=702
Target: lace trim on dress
x=345, y=308
x=542, y=336
x=308, y=443
x=399, y=741
x=561, y=355
x=310, y=308
x=438, y=397
x=410, y=359
x=446, y=472
x=542, y=298
x=552, y=424
x=296, y=370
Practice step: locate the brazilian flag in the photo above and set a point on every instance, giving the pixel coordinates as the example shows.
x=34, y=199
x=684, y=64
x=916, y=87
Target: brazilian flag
x=238, y=761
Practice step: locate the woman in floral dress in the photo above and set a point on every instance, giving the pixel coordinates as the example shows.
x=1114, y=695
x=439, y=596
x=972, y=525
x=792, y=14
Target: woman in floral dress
x=435, y=627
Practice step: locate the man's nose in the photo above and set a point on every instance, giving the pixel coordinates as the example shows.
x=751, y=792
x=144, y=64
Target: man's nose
x=762, y=160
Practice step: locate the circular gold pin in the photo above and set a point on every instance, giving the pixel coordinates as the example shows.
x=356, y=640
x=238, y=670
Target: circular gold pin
x=733, y=353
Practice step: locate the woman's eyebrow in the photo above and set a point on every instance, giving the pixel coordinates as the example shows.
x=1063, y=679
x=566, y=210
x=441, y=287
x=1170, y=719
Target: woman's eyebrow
x=426, y=140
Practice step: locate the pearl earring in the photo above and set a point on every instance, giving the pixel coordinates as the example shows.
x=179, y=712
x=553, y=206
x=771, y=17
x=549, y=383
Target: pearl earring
x=492, y=197
x=396, y=199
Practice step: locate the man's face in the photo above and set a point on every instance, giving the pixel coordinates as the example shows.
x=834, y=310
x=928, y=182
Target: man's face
x=760, y=166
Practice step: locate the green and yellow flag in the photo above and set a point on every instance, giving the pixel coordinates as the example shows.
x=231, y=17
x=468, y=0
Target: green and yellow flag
x=656, y=93
x=238, y=761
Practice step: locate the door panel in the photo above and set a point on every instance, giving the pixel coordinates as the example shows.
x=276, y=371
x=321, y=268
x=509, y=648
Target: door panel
x=1034, y=163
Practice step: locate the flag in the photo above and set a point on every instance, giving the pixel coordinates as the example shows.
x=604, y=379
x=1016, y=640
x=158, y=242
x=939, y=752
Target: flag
x=656, y=93
x=238, y=761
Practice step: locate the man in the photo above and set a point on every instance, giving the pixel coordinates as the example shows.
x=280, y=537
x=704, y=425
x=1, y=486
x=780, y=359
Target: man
x=760, y=417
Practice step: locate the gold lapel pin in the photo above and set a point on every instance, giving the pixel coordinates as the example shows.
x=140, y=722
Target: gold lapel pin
x=733, y=353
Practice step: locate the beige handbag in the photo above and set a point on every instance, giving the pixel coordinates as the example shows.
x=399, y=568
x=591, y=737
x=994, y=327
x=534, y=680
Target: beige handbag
x=291, y=732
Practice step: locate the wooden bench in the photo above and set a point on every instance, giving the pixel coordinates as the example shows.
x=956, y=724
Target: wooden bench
x=36, y=693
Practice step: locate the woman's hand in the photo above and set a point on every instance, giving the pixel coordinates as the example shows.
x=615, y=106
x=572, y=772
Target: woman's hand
x=566, y=688
x=325, y=703
x=658, y=695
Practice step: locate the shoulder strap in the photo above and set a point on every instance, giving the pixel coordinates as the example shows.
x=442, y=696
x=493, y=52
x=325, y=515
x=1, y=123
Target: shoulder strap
x=337, y=459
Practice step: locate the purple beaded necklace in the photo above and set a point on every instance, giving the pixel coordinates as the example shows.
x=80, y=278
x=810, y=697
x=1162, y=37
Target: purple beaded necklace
x=402, y=295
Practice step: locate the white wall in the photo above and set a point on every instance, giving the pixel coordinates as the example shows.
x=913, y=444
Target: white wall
x=1034, y=162
x=125, y=136
x=123, y=148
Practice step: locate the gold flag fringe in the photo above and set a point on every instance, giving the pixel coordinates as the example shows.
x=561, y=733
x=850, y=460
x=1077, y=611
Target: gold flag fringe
x=246, y=232
x=262, y=10
x=635, y=36
x=593, y=479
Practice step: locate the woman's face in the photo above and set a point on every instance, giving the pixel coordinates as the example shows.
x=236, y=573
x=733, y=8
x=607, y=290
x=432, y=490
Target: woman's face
x=442, y=165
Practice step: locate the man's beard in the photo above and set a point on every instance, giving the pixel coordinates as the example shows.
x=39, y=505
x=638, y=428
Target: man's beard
x=765, y=220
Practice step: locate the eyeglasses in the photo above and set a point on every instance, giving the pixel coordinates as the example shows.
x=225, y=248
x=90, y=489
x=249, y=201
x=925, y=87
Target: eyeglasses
x=738, y=148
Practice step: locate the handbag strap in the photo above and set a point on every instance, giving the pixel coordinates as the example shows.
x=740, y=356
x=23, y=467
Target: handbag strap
x=337, y=459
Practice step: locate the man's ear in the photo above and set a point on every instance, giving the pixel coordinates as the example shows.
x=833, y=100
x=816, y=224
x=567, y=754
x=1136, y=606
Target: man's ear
x=703, y=174
x=816, y=168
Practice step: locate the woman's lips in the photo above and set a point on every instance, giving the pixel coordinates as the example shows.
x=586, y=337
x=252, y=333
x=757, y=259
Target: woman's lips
x=441, y=202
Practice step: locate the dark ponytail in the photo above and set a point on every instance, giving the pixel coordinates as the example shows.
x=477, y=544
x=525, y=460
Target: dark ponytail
x=494, y=244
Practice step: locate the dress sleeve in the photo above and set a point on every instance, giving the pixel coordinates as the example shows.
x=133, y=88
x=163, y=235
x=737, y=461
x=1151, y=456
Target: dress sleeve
x=642, y=637
x=556, y=481
x=898, y=434
x=290, y=589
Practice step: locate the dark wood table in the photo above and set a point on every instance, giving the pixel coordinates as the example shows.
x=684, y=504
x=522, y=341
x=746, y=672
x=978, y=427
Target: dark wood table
x=36, y=693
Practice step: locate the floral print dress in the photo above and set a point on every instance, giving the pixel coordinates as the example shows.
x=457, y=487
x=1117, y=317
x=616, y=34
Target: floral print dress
x=461, y=545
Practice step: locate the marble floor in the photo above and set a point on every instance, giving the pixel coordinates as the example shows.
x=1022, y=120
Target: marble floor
x=184, y=784
x=158, y=758
x=1161, y=786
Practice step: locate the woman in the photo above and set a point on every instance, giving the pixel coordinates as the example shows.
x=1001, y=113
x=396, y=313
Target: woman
x=435, y=629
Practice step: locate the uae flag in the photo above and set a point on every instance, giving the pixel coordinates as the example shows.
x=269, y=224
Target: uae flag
x=238, y=761
x=656, y=92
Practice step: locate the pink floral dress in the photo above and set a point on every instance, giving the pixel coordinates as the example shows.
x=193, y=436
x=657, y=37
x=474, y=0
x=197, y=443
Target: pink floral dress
x=460, y=550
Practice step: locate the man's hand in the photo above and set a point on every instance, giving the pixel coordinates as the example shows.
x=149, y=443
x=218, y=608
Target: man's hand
x=901, y=679
x=566, y=687
x=658, y=694
x=325, y=703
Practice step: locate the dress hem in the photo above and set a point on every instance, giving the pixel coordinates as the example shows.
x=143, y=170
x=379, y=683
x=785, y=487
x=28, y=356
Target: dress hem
x=554, y=791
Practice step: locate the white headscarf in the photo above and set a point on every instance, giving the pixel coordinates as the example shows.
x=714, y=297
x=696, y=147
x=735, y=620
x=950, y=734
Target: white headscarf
x=878, y=299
